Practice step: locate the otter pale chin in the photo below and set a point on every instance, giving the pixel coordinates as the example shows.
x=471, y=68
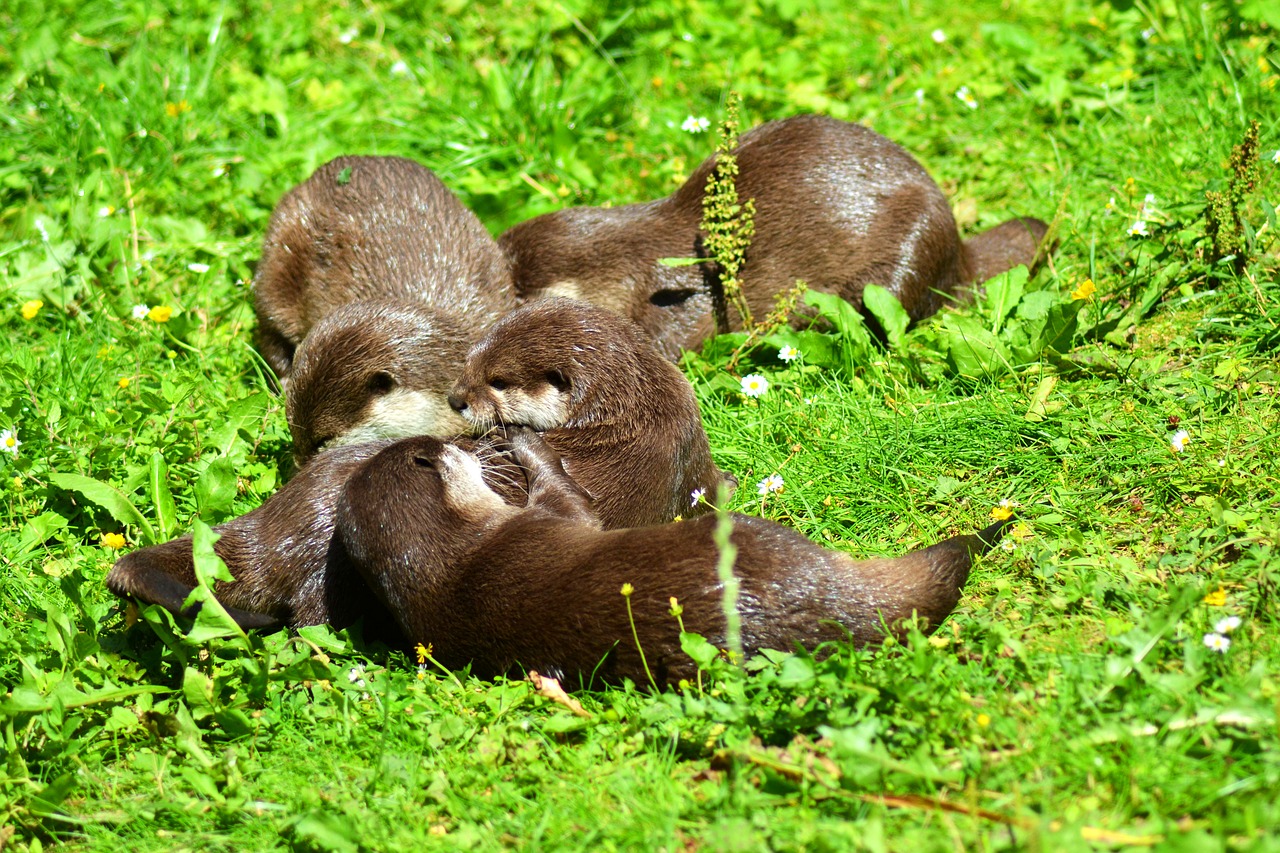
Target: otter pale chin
x=837, y=205
x=501, y=588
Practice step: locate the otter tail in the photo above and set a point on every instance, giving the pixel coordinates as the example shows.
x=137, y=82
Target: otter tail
x=928, y=582
x=1003, y=248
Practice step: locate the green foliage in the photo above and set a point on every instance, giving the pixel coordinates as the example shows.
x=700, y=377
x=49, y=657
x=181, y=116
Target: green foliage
x=1070, y=703
x=728, y=224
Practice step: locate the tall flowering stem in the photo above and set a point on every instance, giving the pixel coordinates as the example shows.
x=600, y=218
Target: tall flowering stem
x=728, y=225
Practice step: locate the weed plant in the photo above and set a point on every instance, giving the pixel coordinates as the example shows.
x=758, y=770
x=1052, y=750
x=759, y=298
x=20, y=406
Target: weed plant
x=1108, y=681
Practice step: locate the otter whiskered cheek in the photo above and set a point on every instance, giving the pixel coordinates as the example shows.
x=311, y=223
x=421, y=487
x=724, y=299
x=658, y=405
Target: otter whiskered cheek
x=465, y=490
x=401, y=413
x=541, y=408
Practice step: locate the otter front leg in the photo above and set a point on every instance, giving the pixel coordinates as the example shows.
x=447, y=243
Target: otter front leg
x=550, y=486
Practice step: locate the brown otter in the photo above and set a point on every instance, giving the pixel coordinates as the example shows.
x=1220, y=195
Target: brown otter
x=287, y=568
x=374, y=228
x=376, y=369
x=499, y=587
x=624, y=418
x=837, y=205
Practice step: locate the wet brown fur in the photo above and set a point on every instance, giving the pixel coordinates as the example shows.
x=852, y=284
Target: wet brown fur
x=837, y=205
x=387, y=229
x=287, y=567
x=629, y=429
x=540, y=587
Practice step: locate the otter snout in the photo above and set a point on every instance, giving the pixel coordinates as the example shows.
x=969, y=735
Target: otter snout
x=458, y=401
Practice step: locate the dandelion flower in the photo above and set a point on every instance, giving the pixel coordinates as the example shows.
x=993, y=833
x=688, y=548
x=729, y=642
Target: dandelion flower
x=31, y=308
x=695, y=124
x=788, y=353
x=9, y=442
x=966, y=97
x=114, y=541
x=1000, y=513
x=754, y=385
x=696, y=496
x=1217, y=642
x=1217, y=598
x=772, y=483
x=938, y=36
x=1227, y=624
x=1178, y=441
x=1086, y=289
x=160, y=313
x=123, y=383
x=173, y=110
x=198, y=268
x=140, y=311
x=1139, y=229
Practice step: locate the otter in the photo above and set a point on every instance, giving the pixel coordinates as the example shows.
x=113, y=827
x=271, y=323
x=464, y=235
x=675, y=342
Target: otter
x=837, y=205
x=376, y=369
x=624, y=418
x=382, y=228
x=288, y=569
x=498, y=587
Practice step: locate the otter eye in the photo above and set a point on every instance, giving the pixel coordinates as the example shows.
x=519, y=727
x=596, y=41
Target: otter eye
x=671, y=298
x=557, y=380
x=423, y=461
x=498, y=384
x=381, y=382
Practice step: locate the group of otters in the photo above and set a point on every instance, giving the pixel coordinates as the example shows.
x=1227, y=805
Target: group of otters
x=493, y=438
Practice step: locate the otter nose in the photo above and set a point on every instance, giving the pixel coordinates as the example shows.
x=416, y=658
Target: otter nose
x=458, y=403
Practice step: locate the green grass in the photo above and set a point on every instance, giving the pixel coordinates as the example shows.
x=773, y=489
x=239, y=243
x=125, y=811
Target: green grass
x=1069, y=703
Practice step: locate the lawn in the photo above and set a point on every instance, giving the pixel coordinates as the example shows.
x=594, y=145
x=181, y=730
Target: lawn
x=1109, y=680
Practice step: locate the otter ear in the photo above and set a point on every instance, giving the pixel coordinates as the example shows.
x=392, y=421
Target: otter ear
x=380, y=383
x=559, y=381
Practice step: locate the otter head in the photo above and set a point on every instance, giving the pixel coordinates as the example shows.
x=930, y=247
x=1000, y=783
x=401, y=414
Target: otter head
x=610, y=257
x=551, y=363
x=373, y=370
x=419, y=504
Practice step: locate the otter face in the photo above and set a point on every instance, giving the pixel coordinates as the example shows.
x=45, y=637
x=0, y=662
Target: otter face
x=372, y=371
x=504, y=388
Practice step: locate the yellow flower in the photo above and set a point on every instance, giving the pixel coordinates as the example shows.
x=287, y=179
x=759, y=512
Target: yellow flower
x=1019, y=531
x=983, y=720
x=123, y=383
x=424, y=652
x=31, y=309
x=114, y=541
x=1085, y=290
x=160, y=313
x=1000, y=513
x=173, y=110
x=1217, y=598
x=676, y=608
x=627, y=589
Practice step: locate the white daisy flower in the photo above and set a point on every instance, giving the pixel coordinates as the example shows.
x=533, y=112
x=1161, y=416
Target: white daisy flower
x=140, y=311
x=1227, y=624
x=938, y=36
x=918, y=94
x=695, y=124
x=1217, y=642
x=198, y=268
x=695, y=497
x=772, y=483
x=966, y=97
x=788, y=353
x=9, y=442
x=1178, y=441
x=1138, y=229
x=400, y=69
x=754, y=385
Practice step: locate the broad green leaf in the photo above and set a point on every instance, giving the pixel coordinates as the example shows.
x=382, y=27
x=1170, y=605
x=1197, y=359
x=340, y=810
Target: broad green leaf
x=161, y=499
x=106, y=496
x=215, y=489
x=886, y=308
